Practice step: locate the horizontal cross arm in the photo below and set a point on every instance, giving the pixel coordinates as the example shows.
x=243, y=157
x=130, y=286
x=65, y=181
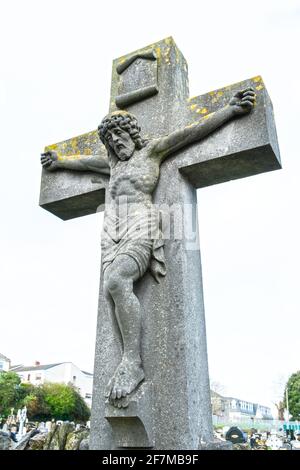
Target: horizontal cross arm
x=243, y=147
x=69, y=194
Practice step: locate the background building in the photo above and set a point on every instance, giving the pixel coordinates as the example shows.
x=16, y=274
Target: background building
x=4, y=363
x=62, y=372
x=230, y=407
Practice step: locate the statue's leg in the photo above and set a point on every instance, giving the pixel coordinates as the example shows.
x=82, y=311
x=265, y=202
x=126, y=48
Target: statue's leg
x=116, y=332
x=118, y=282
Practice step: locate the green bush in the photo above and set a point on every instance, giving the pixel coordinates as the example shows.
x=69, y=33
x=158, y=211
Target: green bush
x=65, y=403
x=9, y=383
x=43, y=402
x=293, y=387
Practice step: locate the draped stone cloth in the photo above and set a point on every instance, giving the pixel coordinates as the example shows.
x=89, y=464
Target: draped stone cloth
x=135, y=233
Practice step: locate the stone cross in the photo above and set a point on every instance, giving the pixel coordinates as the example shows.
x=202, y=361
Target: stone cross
x=172, y=408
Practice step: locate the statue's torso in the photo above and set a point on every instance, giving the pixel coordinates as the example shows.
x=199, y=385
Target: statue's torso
x=134, y=179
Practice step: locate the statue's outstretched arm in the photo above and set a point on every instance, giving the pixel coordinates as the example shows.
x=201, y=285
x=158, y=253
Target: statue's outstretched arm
x=97, y=163
x=241, y=103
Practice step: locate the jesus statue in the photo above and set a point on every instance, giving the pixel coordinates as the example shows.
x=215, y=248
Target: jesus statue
x=132, y=240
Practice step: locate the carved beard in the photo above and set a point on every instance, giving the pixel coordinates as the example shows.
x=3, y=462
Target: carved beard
x=121, y=155
x=124, y=158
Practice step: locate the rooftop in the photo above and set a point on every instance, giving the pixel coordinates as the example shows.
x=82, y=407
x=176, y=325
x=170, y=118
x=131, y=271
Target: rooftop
x=4, y=357
x=22, y=368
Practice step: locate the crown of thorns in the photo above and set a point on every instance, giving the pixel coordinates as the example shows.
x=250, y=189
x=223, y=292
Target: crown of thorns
x=125, y=121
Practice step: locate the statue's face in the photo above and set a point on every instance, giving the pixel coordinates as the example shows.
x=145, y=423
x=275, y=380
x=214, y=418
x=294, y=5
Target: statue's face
x=120, y=142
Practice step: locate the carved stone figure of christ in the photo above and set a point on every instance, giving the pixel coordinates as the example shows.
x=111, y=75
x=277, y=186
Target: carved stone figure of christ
x=128, y=249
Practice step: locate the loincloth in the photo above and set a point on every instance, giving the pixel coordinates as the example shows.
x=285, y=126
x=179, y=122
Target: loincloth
x=137, y=235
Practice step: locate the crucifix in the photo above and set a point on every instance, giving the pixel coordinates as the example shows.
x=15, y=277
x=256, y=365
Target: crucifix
x=147, y=158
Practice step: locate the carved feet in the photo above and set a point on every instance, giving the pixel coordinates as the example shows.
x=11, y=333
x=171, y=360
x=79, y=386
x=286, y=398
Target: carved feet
x=128, y=375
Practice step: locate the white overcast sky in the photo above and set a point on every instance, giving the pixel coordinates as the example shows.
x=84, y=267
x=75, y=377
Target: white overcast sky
x=54, y=84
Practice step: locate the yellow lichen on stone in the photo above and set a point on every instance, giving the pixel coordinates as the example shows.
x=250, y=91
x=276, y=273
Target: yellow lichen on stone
x=202, y=111
x=52, y=147
x=158, y=54
x=215, y=95
x=190, y=125
x=69, y=157
x=257, y=79
x=119, y=111
x=166, y=55
x=259, y=87
x=208, y=116
x=177, y=55
x=74, y=145
x=194, y=106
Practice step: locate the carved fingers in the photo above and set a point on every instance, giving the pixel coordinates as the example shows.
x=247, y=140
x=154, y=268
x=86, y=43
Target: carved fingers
x=243, y=101
x=48, y=160
x=122, y=402
x=117, y=395
x=109, y=388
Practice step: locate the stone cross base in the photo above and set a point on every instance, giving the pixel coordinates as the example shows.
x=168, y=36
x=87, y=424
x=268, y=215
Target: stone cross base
x=133, y=426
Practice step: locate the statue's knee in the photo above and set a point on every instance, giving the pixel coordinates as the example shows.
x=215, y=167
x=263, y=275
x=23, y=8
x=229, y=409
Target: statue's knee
x=106, y=290
x=113, y=284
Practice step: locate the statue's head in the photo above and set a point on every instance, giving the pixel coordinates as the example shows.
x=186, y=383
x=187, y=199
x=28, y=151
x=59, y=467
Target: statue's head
x=120, y=133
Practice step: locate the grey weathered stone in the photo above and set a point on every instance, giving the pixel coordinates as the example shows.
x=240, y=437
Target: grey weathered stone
x=22, y=444
x=215, y=444
x=64, y=430
x=242, y=148
x=52, y=438
x=61, y=437
x=5, y=441
x=57, y=437
x=37, y=442
x=173, y=343
x=133, y=426
x=75, y=438
x=84, y=444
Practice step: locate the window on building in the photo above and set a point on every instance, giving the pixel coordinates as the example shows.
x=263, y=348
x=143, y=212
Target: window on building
x=38, y=376
x=74, y=379
x=28, y=377
x=88, y=395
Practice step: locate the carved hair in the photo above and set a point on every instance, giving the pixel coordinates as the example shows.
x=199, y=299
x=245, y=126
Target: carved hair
x=123, y=120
